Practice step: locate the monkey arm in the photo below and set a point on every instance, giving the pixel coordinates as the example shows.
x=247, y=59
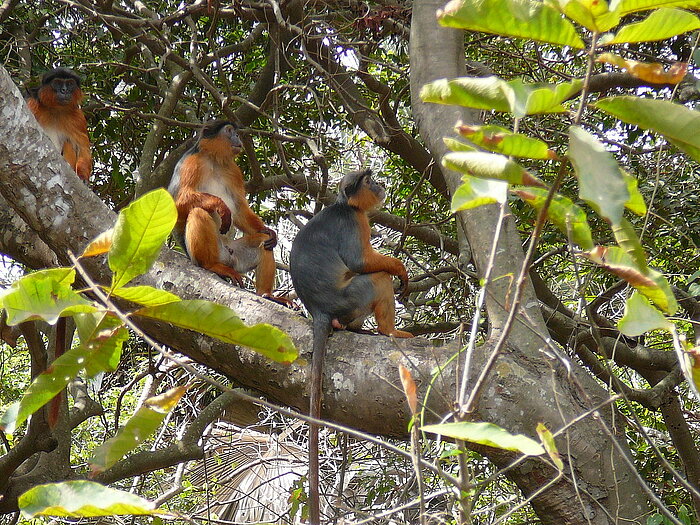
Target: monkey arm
x=249, y=223
x=188, y=199
x=376, y=262
x=80, y=142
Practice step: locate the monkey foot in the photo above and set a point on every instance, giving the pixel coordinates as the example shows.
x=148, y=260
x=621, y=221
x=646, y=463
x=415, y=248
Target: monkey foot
x=280, y=299
x=337, y=325
x=400, y=334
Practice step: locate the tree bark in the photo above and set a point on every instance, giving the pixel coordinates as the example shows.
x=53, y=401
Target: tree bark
x=525, y=387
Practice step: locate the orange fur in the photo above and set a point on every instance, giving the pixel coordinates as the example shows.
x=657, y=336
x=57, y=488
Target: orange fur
x=212, y=165
x=67, y=120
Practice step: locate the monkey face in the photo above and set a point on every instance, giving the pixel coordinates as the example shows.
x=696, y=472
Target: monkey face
x=229, y=131
x=64, y=89
x=360, y=190
x=223, y=129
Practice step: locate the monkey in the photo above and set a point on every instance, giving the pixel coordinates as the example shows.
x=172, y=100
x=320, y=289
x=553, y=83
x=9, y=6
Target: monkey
x=56, y=107
x=341, y=279
x=209, y=194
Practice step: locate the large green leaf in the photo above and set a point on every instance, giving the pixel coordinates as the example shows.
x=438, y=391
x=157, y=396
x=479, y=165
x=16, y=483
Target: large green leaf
x=487, y=434
x=82, y=499
x=518, y=18
x=565, y=215
x=475, y=192
x=145, y=295
x=677, y=123
x=628, y=240
x=640, y=317
x=221, y=322
x=500, y=140
x=489, y=166
x=649, y=282
x=625, y=7
x=102, y=335
x=45, y=295
x=659, y=25
x=140, y=231
x=137, y=430
x=601, y=183
x=636, y=203
x=591, y=14
x=494, y=93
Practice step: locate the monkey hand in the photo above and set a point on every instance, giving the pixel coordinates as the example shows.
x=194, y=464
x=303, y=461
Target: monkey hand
x=272, y=241
x=403, y=289
x=225, y=214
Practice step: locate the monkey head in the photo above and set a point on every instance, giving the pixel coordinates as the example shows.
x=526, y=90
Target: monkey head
x=60, y=86
x=359, y=190
x=222, y=130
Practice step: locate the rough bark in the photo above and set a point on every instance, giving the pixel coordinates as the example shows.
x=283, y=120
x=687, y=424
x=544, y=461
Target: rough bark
x=526, y=387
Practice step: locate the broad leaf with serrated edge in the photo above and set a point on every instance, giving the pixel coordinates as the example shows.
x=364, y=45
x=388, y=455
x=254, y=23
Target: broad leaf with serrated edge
x=674, y=121
x=565, y=215
x=659, y=25
x=82, y=499
x=137, y=430
x=45, y=295
x=641, y=317
x=140, y=231
x=475, y=192
x=517, y=18
x=601, y=183
x=489, y=166
x=500, y=140
x=221, y=322
x=487, y=434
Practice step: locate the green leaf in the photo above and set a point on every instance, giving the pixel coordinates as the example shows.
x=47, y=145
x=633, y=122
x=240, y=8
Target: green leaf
x=102, y=335
x=625, y=7
x=550, y=446
x=489, y=166
x=627, y=239
x=221, y=322
x=137, y=430
x=593, y=15
x=457, y=145
x=601, y=183
x=674, y=121
x=641, y=317
x=659, y=25
x=476, y=192
x=494, y=93
x=500, y=140
x=45, y=295
x=636, y=203
x=82, y=499
x=647, y=281
x=517, y=18
x=565, y=215
x=487, y=434
x=140, y=231
x=145, y=295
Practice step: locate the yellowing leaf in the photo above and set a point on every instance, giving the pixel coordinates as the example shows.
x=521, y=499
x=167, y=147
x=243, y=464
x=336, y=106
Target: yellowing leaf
x=500, y=140
x=550, y=446
x=649, y=72
x=487, y=434
x=475, y=192
x=100, y=244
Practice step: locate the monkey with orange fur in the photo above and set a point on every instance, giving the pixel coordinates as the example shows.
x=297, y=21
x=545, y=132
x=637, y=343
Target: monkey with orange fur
x=209, y=193
x=56, y=106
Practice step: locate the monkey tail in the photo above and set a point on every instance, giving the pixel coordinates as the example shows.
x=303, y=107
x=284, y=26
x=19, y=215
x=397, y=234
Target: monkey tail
x=322, y=329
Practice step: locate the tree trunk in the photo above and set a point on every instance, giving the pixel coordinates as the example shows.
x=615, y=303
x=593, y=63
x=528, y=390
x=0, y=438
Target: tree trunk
x=526, y=387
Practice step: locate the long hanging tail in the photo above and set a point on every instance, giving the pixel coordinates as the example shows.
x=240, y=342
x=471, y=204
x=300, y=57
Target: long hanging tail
x=322, y=329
